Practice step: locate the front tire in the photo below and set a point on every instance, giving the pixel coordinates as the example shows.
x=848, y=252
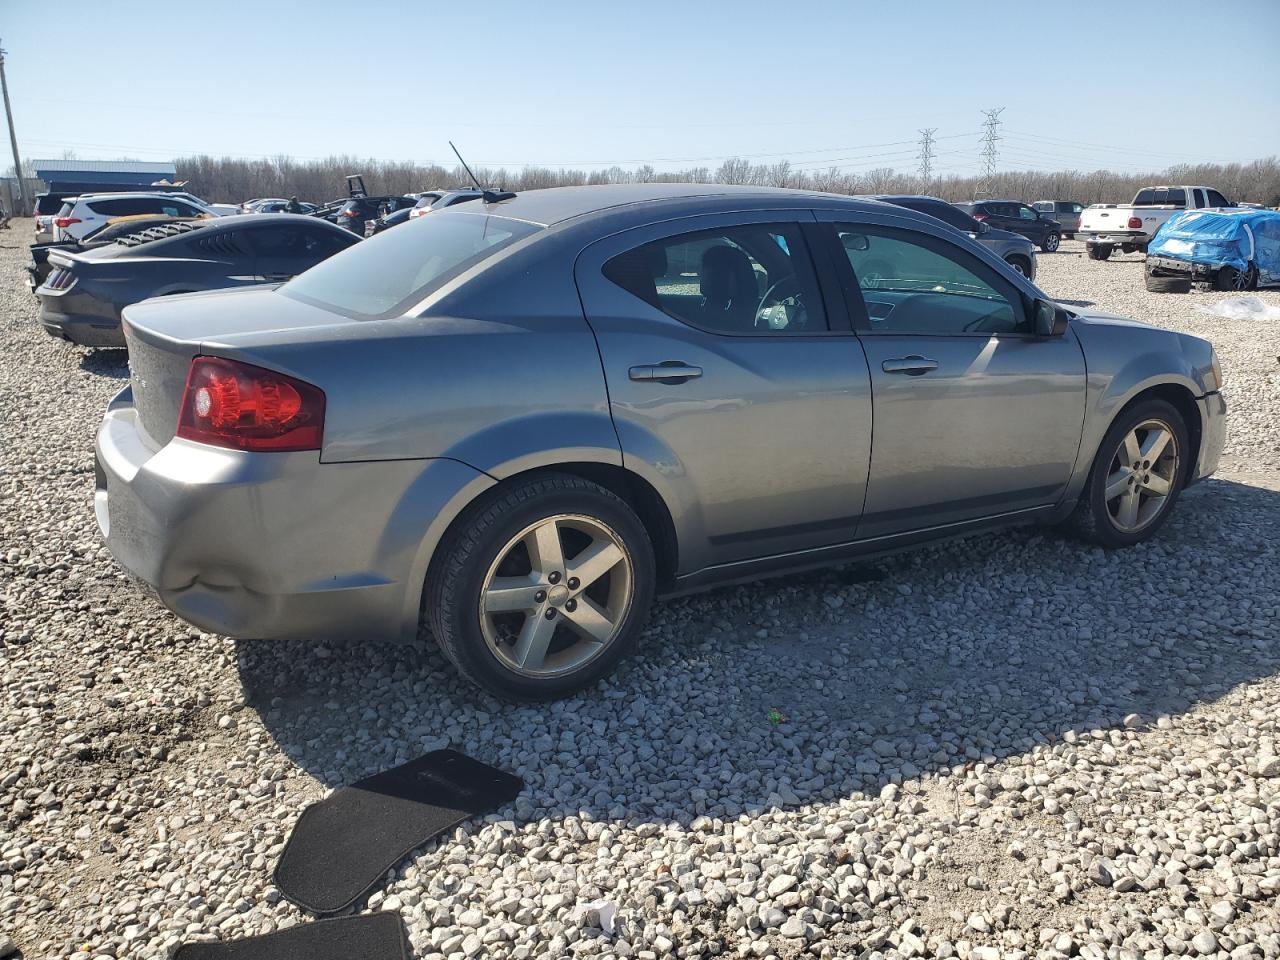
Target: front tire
x=1231, y=279
x=1136, y=476
x=541, y=589
x=1020, y=264
x=1050, y=244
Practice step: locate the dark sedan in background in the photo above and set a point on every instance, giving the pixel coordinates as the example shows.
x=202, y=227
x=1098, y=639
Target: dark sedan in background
x=1017, y=217
x=84, y=293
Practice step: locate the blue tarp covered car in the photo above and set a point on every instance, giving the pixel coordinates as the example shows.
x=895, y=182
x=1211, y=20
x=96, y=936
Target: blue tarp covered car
x=1232, y=249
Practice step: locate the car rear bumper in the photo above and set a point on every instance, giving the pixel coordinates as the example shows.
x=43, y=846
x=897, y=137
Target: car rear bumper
x=1213, y=434
x=86, y=330
x=272, y=545
x=1113, y=236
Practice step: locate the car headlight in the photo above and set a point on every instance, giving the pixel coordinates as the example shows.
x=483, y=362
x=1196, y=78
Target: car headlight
x=1215, y=371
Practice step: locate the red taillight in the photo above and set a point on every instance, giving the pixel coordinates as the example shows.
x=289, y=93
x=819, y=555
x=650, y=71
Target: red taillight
x=231, y=404
x=1135, y=223
x=979, y=216
x=63, y=222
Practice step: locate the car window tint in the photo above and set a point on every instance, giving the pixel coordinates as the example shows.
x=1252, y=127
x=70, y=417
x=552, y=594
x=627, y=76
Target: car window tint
x=388, y=273
x=750, y=279
x=1026, y=213
x=945, y=212
x=1216, y=199
x=911, y=283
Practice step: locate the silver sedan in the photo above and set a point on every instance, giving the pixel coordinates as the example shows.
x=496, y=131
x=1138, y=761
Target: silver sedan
x=518, y=421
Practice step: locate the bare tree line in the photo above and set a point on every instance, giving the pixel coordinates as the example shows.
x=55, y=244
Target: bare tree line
x=230, y=179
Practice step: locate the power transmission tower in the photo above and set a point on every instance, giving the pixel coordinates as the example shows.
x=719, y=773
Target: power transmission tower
x=926, y=155
x=13, y=142
x=989, y=153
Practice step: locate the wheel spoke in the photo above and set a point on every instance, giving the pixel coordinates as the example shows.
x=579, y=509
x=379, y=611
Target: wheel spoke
x=1154, y=446
x=535, y=637
x=507, y=594
x=1158, y=485
x=1129, y=503
x=594, y=562
x=1118, y=483
x=1131, y=449
x=589, y=620
x=545, y=551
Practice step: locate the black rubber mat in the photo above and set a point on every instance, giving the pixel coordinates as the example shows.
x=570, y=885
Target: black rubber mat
x=341, y=846
x=374, y=936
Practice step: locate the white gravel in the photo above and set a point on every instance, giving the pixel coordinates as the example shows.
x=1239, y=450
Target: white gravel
x=1005, y=747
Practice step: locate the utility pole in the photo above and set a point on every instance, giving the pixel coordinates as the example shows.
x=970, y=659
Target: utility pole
x=989, y=152
x=926, y=156
x=13, y=142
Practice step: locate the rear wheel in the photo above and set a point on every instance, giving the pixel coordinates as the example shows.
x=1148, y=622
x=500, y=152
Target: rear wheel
x=1160, y=283
x=1100, y=251
x=543, y=589
x=1136, y=476
x=1229, y=278
x=1051, y=242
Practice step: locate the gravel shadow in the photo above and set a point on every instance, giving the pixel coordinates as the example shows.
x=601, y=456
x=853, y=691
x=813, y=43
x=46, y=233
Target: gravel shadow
x=106, y=363
x=815, y=687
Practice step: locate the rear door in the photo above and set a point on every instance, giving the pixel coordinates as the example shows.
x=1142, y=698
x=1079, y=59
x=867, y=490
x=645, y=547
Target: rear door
x=974, y=416
x=736, y=384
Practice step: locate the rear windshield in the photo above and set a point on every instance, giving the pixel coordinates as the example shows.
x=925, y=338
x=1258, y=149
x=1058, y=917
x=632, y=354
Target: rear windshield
x=386, y=274
x=427, y=200
x=46, y=205
x=1160, y=198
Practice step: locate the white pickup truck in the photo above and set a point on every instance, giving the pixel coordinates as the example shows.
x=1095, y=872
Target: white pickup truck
x=1105, y=226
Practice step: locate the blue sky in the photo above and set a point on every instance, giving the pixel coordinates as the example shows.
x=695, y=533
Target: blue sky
x=1084, y=84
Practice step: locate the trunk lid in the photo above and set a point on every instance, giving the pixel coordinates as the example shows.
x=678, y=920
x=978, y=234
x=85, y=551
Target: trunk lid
x=165, y=333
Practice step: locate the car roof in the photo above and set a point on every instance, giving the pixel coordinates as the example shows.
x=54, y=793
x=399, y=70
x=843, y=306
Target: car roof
x=133, y=195
x=557, y=204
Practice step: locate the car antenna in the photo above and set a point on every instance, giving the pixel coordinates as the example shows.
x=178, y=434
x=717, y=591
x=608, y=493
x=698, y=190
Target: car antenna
x=486, y=194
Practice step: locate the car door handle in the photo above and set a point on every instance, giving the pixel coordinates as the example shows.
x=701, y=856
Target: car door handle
x=669, y=371
x=912, y=366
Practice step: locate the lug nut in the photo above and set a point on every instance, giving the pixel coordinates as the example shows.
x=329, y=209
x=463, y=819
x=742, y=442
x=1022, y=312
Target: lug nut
x=540, y=596
x=571, y=605
x=555, y=576
x=573, y=583
x=551, y=614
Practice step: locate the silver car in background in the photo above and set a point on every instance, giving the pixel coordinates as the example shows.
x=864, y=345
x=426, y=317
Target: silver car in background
x=520, y=421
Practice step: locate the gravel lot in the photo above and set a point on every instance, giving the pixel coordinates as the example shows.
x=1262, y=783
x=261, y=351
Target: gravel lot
x=1009, y=746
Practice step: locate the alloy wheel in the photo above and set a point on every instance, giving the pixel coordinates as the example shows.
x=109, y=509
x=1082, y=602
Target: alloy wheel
x=556, y=596
x=1142, y=475
x=1051, y=242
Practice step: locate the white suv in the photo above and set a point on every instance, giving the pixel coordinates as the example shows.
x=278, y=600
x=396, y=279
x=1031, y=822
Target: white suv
x=80, y=215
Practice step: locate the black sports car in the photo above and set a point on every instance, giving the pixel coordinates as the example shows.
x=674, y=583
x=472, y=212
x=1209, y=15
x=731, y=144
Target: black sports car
x=81, y=298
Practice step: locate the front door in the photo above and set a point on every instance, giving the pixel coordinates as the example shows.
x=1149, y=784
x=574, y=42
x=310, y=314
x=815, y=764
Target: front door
x=737, y=386
x=975, y=416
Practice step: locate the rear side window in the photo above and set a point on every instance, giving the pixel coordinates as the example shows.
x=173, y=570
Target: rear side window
x=386, y=274
x=143, y=205
x=945, y=212
x=753, y=279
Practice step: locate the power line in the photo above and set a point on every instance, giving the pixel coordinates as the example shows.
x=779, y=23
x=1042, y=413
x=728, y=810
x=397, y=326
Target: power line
x=989, y=151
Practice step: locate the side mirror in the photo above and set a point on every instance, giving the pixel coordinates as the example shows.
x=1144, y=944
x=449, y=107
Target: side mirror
x=856, y=241
x=983, y=227
x=1050, y=319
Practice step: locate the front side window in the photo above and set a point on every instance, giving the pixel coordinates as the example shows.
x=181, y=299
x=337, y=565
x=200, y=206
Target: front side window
x=1216, y=199
x=912, y=283
x=386, y=274
x=1026, y=213
x=754, y=279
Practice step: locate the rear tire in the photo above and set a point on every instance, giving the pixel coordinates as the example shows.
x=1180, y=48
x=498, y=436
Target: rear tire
x=1051, y=242
x=1154, y=483
x=1100, y=251
x=474, y=599
x=1158, y=283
